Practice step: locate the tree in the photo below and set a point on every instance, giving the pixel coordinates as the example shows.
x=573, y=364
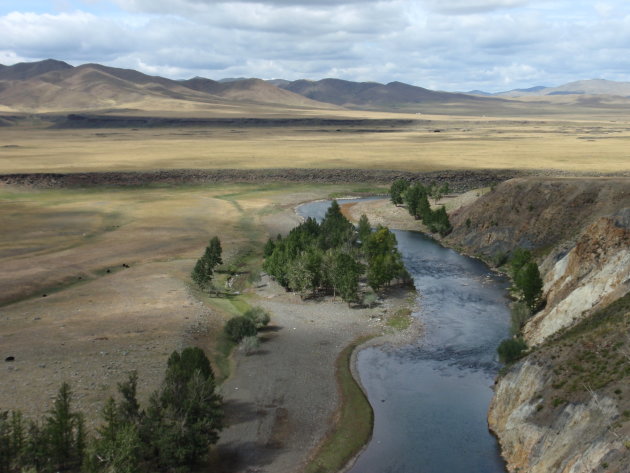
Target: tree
x=300, y=277
x=129, y=408
x=439, y=222
x=530, y=283
x=239, y=327
x=364, y=229
x=204, y=267
x=346, y=273
x=65, y=431
x=519, y=259
x=335, y=229
x=185, y=416
x=511, y=349
x=268, y=248
x=397, y=189
x=384, y=260
x=117, y=447
x=201, y=273
x=413, y=196
x=519, y=314
x=213, y=252
x=259, y=316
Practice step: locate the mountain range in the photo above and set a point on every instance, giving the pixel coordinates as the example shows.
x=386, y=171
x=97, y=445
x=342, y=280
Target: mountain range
x=581, y=87
x=52, y=86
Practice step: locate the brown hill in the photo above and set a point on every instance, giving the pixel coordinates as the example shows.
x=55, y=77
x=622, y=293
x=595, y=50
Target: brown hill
x=375, y=95
x=251, y=90
x=49, y=86
x=27, y=70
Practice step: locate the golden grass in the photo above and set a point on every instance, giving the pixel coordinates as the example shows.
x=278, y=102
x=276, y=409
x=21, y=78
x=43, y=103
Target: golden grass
x=578, y=144
x=100, y=319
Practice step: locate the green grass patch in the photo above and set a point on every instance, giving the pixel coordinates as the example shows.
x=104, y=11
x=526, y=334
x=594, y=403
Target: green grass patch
x=401, y=320
x=355, y=420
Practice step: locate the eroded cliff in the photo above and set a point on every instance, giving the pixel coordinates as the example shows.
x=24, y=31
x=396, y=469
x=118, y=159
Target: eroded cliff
x=565, y=407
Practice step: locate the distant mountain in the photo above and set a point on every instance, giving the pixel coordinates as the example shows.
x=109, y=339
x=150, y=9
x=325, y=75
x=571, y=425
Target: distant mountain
x=479, y=92
x=582, y=87
x=54, y=85
x=27, y=70
x=233, y=79
x=372, y=94
x=252, y=90
x=278, y=82
x=536, y=88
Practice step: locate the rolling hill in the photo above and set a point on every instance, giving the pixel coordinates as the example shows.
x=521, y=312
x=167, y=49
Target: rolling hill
x=56, y=86
x=373, y=94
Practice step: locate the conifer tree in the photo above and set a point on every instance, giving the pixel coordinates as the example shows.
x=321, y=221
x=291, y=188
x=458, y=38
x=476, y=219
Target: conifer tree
x=364, y=229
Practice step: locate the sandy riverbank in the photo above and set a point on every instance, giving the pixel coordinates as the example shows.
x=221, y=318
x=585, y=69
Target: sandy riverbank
x=282, y=401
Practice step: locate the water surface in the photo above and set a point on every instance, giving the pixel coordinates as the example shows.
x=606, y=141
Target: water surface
x=431, y=398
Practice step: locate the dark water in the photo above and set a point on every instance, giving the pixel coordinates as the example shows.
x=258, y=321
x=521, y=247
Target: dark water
x=431, y=398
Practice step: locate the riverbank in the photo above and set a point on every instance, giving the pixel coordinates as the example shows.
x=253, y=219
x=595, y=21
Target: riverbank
x=294, y=405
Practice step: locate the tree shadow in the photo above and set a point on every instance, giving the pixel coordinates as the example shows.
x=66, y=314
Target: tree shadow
x=270, y=329
x=237, y=412
x=241, y=457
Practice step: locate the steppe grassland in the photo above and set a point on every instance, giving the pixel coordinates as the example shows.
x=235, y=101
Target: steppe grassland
x=99, y=319
x=575, y=143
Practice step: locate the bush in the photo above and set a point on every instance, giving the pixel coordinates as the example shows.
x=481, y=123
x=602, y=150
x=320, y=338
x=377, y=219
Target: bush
x=259, y=316
x=520, y=314
x=249, y=344
x=511, y=349
x=239, y=327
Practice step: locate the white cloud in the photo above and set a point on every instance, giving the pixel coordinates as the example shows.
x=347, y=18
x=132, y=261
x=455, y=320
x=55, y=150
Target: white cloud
x=463, y=7
x=453, y=44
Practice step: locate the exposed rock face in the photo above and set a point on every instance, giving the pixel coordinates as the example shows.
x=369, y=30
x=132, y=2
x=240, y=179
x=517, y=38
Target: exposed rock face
x=565, y=408
x=593, y=274
x=575, y=438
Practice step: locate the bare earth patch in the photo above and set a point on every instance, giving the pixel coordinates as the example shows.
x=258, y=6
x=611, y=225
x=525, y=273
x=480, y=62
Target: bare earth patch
x=281, y=401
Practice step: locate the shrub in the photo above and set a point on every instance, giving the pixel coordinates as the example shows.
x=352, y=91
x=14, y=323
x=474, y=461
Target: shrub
x=511, y=349
x=369, y=299
x=249, y=344
x=239, y=327
x=520, y=313
x=259, y=316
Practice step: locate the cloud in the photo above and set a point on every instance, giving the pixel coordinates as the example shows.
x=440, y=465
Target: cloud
x=463, y=7
x=497, y=44
x=67, y=36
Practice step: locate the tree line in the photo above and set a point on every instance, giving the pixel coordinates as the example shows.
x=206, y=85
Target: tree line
x=331, y=257
x=416, y=198
x=173, y=434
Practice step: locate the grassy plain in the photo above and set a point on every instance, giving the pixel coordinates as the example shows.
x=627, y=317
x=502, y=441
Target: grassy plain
x=579, y=142
x=95, y=282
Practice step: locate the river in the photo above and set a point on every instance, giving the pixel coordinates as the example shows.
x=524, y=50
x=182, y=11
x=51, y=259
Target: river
x=430, y=398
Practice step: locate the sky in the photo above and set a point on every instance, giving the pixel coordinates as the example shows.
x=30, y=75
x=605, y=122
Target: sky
x=453, y=45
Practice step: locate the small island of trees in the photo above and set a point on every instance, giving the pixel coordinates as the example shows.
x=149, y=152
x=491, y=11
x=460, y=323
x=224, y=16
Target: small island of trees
x=333, y=256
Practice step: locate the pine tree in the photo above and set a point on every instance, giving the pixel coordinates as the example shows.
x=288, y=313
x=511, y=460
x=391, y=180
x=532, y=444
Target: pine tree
x=64, y=429
x=213, y=253
x=364, y=229
x=185, y=416
x=530, y=283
